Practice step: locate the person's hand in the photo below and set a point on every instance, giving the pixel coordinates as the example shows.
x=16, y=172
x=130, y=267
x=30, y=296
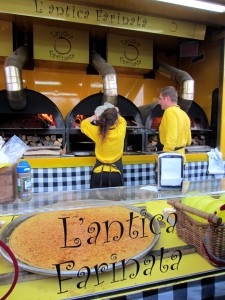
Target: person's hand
x=93, y=118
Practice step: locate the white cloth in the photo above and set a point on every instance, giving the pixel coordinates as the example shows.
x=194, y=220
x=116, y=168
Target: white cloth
x=2, y=142
x=100, y=109
x=216, y=163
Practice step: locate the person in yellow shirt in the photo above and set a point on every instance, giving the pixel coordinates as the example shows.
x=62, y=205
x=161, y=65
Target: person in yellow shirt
x=108, y=133
x=175, y=126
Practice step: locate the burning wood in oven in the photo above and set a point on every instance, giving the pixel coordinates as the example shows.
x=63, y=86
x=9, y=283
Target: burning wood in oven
x=78, y=120
x=48, y=120
x=24, y=121
x=156, y=122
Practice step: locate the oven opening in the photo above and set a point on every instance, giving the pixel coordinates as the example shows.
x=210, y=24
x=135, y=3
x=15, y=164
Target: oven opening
x=78, y=120
x=78, y=143
x=47, y=120
x=134, y=136
x=196, y=124
x=155, y=123
x=24, y=121
x=35, y=130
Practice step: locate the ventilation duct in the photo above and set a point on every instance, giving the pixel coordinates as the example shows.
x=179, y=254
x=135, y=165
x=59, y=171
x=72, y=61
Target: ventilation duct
x=108, y=75
x=13, y=78
x=184, y=79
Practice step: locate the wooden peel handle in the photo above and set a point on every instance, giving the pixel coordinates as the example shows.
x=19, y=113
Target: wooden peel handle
x=210, y=217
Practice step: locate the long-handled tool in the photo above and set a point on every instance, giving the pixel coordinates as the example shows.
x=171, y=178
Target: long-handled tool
x=144, y=127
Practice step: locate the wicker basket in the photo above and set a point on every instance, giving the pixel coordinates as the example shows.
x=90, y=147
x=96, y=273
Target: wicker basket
x=207, y=238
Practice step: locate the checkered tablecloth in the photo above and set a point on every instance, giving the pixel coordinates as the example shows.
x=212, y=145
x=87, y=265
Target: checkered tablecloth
x=209, y=288
x=51, y=181
x=77, y=178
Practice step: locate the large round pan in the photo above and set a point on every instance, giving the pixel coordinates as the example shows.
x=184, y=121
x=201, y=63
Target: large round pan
x=8, y=230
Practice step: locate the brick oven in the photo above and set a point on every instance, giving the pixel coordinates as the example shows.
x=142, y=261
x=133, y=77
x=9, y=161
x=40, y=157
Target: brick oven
x=39, y=123
x=201, y=132
x=78, y=143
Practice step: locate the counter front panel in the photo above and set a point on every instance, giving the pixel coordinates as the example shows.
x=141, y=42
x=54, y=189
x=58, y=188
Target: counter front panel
x=169, y=262
x=78, y=178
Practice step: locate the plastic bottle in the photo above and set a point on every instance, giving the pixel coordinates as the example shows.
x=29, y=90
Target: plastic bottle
x=24, y=181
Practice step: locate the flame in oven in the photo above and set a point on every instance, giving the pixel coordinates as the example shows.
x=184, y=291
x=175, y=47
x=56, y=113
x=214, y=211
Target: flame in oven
x=156, y=122
x=47, y=119
x=78, y=120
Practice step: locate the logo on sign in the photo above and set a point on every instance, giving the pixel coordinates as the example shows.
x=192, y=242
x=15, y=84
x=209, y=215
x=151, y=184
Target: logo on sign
x=62, y=46
x=131, y=53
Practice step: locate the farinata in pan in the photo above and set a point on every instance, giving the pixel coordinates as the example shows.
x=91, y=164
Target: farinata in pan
x=87, y=236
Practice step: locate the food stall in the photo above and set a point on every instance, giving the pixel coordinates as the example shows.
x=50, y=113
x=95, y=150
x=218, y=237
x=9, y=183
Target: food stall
x=160, y=260
x=57, y=83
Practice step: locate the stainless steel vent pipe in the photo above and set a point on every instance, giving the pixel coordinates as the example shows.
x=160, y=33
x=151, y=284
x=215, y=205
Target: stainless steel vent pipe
x=184, y=79
x=13, y=78
x=108, y=74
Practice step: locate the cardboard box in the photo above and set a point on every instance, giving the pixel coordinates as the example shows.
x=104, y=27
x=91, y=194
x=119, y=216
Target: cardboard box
x=8, y=190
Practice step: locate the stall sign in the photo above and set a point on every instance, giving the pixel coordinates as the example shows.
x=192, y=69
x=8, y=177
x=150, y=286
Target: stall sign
x=6, y=41
x=61, y=44
x=71, y=12
x=128, y=51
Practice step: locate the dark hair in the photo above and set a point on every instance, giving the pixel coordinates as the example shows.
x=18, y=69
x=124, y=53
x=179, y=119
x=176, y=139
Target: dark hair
x=106, y=120
x=169, y=91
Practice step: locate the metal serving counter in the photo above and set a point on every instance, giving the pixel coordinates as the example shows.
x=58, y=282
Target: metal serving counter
x=171, y=263
x=131, y=195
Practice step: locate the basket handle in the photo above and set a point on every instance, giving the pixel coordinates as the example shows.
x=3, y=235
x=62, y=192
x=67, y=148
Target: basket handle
x=210, y=217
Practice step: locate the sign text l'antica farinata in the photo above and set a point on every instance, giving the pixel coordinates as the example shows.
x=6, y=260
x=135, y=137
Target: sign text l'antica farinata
x=116, y=19
x=82, y=14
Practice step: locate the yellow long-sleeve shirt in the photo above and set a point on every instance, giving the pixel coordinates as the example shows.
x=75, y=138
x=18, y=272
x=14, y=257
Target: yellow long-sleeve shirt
x=175, y=129
x=111, y=149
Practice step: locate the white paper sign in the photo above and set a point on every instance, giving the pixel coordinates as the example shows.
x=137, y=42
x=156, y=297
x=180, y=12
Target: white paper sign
x=171, y=172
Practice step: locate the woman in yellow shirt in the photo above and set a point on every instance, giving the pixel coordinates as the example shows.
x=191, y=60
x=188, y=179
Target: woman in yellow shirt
x=108, y=135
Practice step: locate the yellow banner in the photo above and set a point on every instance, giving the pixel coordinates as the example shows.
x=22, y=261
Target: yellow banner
x=102, y=17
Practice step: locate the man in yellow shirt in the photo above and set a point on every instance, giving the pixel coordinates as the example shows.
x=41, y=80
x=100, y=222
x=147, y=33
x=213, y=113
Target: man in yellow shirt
x=175, y=127
x=108, y=135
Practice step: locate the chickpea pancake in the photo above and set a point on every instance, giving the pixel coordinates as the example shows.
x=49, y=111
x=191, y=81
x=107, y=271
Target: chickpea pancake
x=88, y=237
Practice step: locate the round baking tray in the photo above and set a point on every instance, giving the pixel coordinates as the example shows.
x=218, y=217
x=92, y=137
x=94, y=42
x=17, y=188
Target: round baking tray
x=8, y=230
